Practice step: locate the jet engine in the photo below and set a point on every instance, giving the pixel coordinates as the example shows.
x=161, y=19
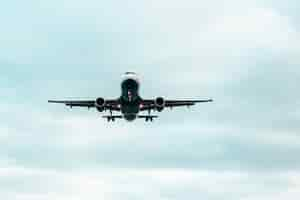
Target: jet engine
x=159, y=104
x=100, y=104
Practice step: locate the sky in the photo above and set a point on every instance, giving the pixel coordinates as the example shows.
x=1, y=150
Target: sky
x=243, y=54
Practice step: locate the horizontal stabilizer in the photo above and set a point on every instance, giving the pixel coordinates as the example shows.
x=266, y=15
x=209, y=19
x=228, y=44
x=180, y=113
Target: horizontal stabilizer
x=113, y=116
x=147, y=116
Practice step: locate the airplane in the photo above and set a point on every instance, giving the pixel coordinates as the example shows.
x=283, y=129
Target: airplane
x=130, y=103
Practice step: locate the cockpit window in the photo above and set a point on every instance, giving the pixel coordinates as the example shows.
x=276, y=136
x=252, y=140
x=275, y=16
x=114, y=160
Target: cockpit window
x=130, y=73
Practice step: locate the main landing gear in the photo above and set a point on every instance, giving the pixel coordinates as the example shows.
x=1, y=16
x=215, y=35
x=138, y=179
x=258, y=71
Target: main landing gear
x=149, y=118
x=111, y=119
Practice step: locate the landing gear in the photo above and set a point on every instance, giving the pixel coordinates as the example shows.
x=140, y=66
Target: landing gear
x=149, y=118
x=110, y=118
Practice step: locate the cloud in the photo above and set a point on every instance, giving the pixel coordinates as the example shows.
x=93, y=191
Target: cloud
x=146, y=184
x=83, y=139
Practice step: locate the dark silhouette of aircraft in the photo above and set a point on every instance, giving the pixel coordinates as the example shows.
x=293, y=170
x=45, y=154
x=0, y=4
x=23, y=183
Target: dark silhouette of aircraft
x=130, y=104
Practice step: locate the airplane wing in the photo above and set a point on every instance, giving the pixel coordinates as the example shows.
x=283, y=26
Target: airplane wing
x=109, y=104
x=149, y=104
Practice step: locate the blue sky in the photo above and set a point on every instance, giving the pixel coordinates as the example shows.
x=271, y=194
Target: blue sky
x=245, y=55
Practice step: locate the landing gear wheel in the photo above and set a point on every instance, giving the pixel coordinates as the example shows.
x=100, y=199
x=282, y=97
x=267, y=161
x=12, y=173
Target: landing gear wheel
x=147, y=119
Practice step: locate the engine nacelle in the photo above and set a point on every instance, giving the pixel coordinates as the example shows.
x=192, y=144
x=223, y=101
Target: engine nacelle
x=159, y=104
x=100, y=104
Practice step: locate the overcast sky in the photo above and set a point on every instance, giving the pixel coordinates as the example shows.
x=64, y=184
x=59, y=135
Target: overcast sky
x=243, y=54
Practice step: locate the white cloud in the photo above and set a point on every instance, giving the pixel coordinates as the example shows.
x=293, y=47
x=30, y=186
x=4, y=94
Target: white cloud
x=81, y=139
x=147, y=184
x=225, y=48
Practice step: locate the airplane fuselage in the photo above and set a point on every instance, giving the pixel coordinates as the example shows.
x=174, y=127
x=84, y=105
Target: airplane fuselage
x=130, y=100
